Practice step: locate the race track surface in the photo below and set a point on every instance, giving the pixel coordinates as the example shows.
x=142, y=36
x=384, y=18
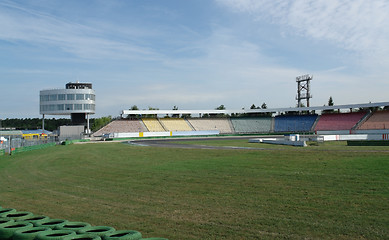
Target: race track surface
x=172, y=143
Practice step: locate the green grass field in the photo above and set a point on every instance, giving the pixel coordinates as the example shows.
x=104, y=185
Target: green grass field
x=320, y=192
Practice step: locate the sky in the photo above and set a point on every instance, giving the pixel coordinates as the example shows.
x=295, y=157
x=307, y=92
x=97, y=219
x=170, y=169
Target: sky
x=193, y=54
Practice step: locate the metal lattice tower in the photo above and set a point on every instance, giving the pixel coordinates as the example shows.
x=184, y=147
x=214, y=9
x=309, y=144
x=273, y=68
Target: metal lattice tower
x=303, y=90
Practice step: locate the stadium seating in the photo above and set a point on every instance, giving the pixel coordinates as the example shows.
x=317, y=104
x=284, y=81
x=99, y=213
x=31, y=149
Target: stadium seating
x=252, y=125
x=338, y=121
x=208, y=124
x=247, y=125
x=175, y=124
x=294, y=123
x=120, y=126
x=153, y=125
x=378, y=120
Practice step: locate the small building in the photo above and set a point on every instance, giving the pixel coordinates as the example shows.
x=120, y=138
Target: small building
x=37, y=134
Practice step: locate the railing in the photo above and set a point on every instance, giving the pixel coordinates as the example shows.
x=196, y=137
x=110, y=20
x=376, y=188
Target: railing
x=17, y=144
x=34, y=147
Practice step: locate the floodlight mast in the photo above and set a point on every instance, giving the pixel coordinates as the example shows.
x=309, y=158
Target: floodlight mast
x=303, y=89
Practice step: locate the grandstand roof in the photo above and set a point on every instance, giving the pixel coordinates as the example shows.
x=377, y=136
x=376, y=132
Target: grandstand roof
x=10, y=133
x=270, y=110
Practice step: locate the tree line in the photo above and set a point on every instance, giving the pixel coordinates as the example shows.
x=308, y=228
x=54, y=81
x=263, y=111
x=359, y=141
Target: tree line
x=221, y=107
x=50, y=124
x=33, y=123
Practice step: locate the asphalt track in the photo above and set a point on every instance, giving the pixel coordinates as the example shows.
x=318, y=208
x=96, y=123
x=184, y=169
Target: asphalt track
x=172, y=143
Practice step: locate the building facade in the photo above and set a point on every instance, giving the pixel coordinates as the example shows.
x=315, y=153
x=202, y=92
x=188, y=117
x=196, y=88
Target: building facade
x=76, y=100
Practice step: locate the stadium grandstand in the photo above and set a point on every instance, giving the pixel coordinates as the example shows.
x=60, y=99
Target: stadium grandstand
x=294, y=123
x=369, y=116
x=252, y=125
x=122, y=125
x=175, y=124
x=205, y=124
x=153, y=125
x=376, y=120
x=339, y=121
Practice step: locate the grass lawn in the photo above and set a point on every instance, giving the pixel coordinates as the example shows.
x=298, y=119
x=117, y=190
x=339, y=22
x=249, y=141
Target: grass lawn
x=331, y=145
x=206, y=194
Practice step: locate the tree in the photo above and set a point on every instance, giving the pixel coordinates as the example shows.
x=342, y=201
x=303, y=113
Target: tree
x=134, y=107
x=100, y=122
x=132, y=116
x=175, y=108
x=221, y=107
x=330, y=101
x=264, y=106
x=151, y=115
x=253, y=114
x=301, y=105
x=34, y=123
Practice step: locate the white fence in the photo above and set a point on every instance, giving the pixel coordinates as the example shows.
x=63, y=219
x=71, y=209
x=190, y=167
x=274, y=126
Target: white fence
x=160, y=134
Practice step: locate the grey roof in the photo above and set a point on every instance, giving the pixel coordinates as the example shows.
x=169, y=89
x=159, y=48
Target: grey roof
x=35, y=131
x=10, y=132
x=270, y=110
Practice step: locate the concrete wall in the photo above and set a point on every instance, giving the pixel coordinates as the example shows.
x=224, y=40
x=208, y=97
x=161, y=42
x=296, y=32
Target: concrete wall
x=356, y=137
x=70, y=132
x=162, y=134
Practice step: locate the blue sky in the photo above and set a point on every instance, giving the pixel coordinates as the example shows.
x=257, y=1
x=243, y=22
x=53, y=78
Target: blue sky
x=193, y=54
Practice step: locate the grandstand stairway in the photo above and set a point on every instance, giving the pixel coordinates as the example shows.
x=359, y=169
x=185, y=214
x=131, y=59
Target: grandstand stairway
x=362, y=121
x=153, y=125
x=175, y=124
x=377, y=120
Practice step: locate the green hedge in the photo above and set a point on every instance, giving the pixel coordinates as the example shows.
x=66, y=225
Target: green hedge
x=2, y=152
x=67, y=142
x=368, y=143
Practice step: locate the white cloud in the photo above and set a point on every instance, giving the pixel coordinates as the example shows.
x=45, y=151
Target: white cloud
x=230, y=71
x=356, y=25
x=19, y=24
x=184, y=66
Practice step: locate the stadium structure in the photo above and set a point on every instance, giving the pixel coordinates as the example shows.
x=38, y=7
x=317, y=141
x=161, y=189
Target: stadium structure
x=76, y=100
x=368, y=118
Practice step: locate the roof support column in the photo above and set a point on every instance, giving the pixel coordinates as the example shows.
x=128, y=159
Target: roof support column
x=87, y=123
x=43, y=123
